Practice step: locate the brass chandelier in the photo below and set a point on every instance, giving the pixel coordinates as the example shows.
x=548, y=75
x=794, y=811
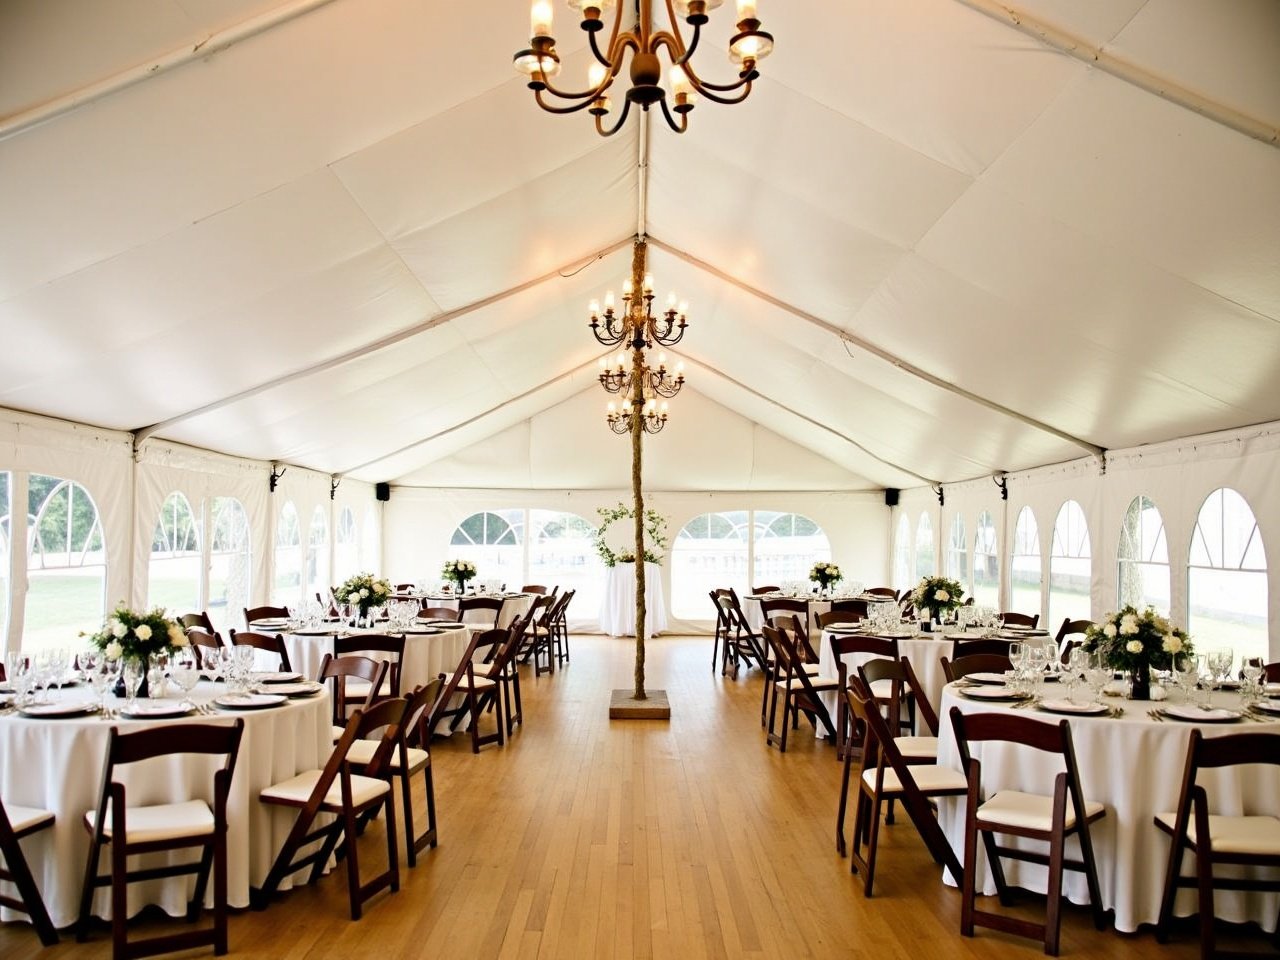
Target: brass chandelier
x=639, y=382
x=541, y=63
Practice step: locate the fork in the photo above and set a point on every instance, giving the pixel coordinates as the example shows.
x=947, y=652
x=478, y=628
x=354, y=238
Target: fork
x=1156, y=715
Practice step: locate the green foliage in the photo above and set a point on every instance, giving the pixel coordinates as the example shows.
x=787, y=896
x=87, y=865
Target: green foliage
x=133, y=635
x=937, y=594
x=654, y=527
x=1127, y=639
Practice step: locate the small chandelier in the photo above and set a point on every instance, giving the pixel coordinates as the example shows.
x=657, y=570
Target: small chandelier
x=541, y=62
x=652, y=417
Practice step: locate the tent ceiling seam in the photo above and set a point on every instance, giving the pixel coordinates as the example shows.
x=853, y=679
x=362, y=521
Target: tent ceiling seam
x=365, y=350
x=876, y=351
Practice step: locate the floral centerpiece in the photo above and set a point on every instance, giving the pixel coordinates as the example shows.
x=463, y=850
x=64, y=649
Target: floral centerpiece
x=459, y=572
x=825, y=574
x=655, y=536
x=364, y=591
x=1136, y=642
x=131, y=635
x=936, y=596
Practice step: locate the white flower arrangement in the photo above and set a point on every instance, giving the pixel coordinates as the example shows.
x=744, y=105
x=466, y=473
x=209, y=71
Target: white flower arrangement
x=365, y=591
x=1128, y=640
x=458, y=571
x=138, y=636
x=937, y=595
x=825, y=574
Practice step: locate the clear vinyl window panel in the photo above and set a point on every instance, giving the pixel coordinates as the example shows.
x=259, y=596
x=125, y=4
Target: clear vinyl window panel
x=492, y=540
x=286, y=588
x=986, y=563
x=230, y=563
x=1142, y=558
x=926, y=555
x=173, y=573
x=66, y=564
x=902, y=578
x=562, y=552
x=1070, y=567
x=318, y=558
x=1227, y=578
x=6, y=497
x=710, y=552
x=346, y=546
x=1024, y=565
x=958, y=554
x=787, y=545
x=371, y=543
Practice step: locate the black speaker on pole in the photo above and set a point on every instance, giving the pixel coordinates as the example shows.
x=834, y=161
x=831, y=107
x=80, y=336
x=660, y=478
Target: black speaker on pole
x=891, y=497
x=383, y=491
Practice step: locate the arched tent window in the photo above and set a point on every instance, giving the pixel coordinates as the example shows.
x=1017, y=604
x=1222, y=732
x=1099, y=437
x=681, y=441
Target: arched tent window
x=1227, y=578
x=1070, y=567
x=173, y=576
x=902, y=554
x=926, y=555
x=787, y=545
x=958, y=553
x=346, y=547
x=562, y=552
x=370, y=543
x=1024, y=567
x=318, y=557
x=710, y=552
x=986, y=563
x=492, y=541
x=67, y=564
x=230, y=562
x=1142, y=560
x=6, y=481
x=287, y=589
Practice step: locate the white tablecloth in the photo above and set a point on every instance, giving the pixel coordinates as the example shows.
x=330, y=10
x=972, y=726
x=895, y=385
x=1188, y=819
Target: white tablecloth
x=925, y=652
x=618, y=608
x=513, y=607
x=426, y=656
x=57, y=765
x=755, y=615
x=1134, y=766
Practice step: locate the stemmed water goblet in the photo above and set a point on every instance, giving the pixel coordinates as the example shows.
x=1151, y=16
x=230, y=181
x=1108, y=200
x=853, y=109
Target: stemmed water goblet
x=185, y=672
x=1251, y=672
x=1186, y=673
x=1077, y=664
x=1219, y=664
x=132, y=671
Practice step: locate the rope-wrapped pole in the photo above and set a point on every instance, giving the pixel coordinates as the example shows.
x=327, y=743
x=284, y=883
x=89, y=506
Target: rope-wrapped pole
x=637, y=449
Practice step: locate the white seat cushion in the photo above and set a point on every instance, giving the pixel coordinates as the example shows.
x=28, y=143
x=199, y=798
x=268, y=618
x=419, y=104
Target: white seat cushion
x=27, y=818
x=358, y=688
x=337, y=732
x=817, y=682
x=481, y=683
x=812, y=669
x=164, y=821
x=929, y=777
x=913, y=748
x=296, y=791
x=1029, y=811
x=1235, y=834
x=362, y=752
x=882, y=689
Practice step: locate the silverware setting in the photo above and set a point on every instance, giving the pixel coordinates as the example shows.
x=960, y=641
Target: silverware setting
x=1156, y=715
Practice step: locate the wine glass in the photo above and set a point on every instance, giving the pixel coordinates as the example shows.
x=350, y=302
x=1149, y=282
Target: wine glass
x=186, y=674
x=132, y=672
x=1251, y=671
x=1186, y=671
x=1220, y=665
x=1077, y=663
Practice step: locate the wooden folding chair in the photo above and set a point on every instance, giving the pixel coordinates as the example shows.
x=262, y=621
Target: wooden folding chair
x=830, y=617
x=980, y=646
x=534, y=588
x=1237, y=840
x=15, y=823
x=537, y=635
x=904, y=687
x=721, y=631
x=961, y=667
x=560, y=627
x=784, y=606
x=469, y=604
x=1071, y=628
x=206, y=644
x=200, y=620
x=363, y=673
x=389, y=649
x=263, y=613
x=476, y=679
x=1013, y=619
x=437, y=613
x=768, y=588
x=1047, y=818
x=129, y=831
x=856, y=607
x=844, y=645
x=884, y=774
x=270, y=642
x=800, y=691
x=743, y=643
x=348, y=797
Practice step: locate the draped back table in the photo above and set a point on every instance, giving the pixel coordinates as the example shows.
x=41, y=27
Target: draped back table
x=618, y=608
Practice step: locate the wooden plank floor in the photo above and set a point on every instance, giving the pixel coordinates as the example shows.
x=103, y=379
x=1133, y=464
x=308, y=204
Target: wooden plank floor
x=586, y=838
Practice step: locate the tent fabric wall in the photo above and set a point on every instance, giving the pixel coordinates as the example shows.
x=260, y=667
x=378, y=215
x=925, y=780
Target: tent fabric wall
x=420, y=522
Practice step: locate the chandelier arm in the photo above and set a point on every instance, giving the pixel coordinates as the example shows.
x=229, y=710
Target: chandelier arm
x=744, y=85
x=666, y=113
x=551, y=108
x=702, y=86
x=610, y=60
x=674, y=43
x=622, y=118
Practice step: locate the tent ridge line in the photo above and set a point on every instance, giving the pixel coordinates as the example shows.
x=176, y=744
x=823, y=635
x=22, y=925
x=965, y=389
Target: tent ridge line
x=867, y=346
x=142, y=433
x=816, y=423
x=1095, y=55
x=189, y=52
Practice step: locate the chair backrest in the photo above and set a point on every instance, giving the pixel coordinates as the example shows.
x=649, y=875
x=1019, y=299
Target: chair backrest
x=1271, y=672
x=566, y=599
x=419, y=705
x=1007, y=727
x=338, y=669
x=263, y=613
x=903, y=678
x=481, y=658
x=794, y=626
x=391, y=646
x=387, y=716
x=828, y=617
x=533, y=588
x=768, y=588
x=882, y=592
x=1014, y=619
x=467, y=604
x=977, y=663
x=1071, y=628
x=843, y=645
x=541, y=609
x=981, y=645
x=783, y=606
x=202, y=640
x=405, y=587
x=437, y=613
x=270, y=642
x=200, y=620
x=848, y=605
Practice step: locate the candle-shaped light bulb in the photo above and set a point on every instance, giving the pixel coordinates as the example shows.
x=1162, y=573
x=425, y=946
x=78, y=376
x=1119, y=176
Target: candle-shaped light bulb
x=680, y=81
x=595, y=76
x=747, y=10
x=613, y=408
x=664, y=408
x=626, y=406
x=680, y=369
x=683, y=308
x=594, y=307
x=608, y=300
x=662, y=361
x=540, y=18
x=671, y=301
x=627, y=287
x=648, y=284
x=622, y=360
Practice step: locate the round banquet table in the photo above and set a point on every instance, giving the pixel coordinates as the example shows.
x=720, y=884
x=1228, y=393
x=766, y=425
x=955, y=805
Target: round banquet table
x=57, y=765
x=1134, y=765
x=618, y=607
x=514, y=606
x=925, y=651
x=426, y=655
x=755, y=615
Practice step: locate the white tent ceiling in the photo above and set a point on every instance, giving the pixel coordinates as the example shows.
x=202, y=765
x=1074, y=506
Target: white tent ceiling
x=931, y=245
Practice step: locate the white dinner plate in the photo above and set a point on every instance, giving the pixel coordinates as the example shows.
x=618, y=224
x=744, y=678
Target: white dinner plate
x=250, y=701
x=1194, y=714
x=283, y=676
x=995, y=694
x=983, y=677
x=423, y=631
x=316, y=632
x=155, y=709
x=844, y=628
x=305, y=688
x=1070, y=707
x=1269, y=706
x=271, y=623
x=1272, y=689
x=449, y=625
x=77, y=708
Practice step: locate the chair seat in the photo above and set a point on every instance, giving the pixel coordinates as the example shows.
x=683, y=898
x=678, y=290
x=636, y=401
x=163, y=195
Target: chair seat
x=540, y=631
x=480, y=683
x=812, y=669
x=337, y=732
x=358, y=688
x=817, y=682
x=362, y=751
x=1029, y=811
x=930, y=778
x=882, y=689
x=163, y=821
x=916, y=748
x=1260, y=835
x=27, y=819
x=296, y=791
